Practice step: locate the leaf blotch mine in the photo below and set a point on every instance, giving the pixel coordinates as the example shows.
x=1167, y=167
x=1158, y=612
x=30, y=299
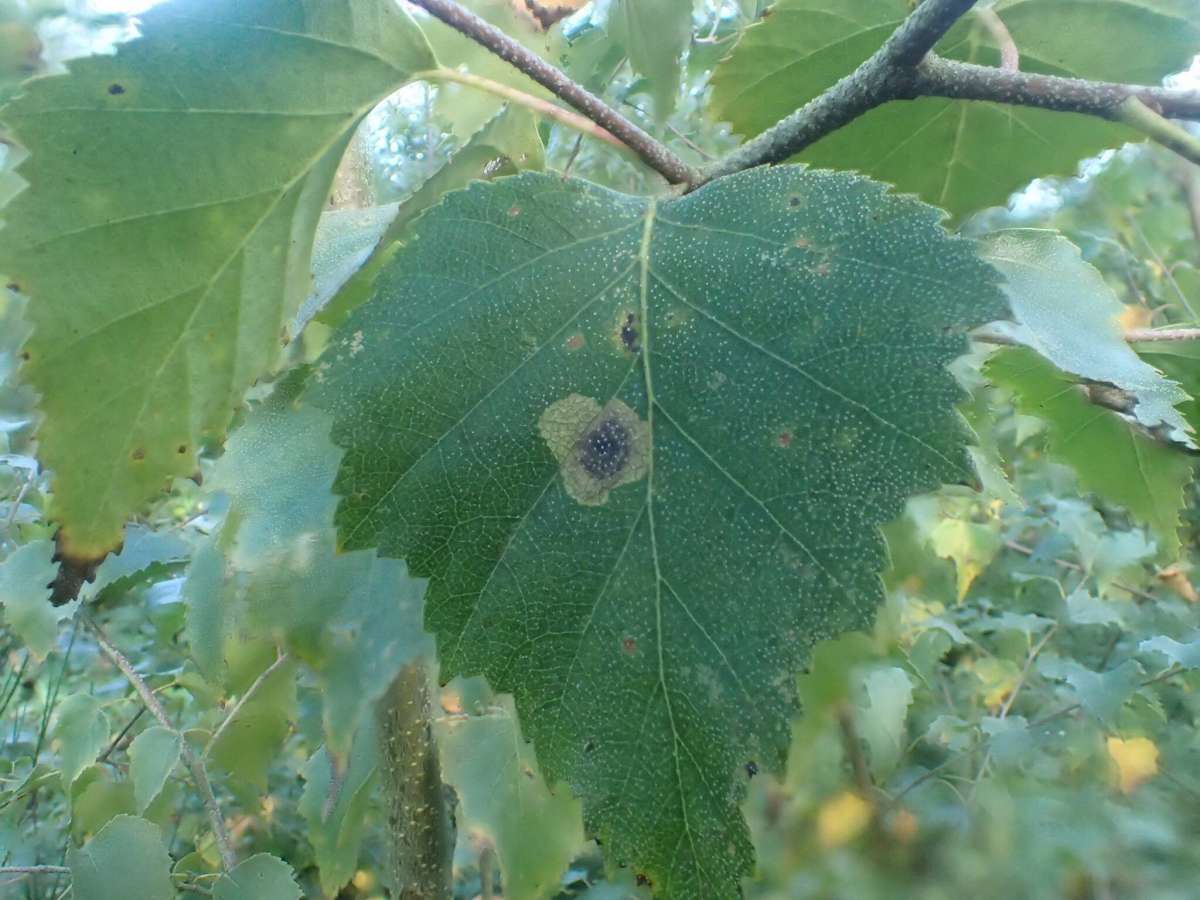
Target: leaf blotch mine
x=597, y=448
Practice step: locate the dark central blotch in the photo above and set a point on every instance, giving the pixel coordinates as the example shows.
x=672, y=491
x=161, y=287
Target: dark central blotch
x=604, y=450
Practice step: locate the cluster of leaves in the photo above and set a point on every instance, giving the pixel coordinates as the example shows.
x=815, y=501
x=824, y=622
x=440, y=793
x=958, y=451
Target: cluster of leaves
x=625, y=455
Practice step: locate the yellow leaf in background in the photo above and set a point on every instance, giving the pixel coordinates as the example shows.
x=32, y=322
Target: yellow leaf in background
x=1134, y=316
x=1175, y=577
x=972, y=546
x=999, y=678
x=1136, y=759
x=903, y=826
x=842, y=818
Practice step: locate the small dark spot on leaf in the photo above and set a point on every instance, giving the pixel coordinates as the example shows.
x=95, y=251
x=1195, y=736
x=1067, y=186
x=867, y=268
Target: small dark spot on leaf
x=629, y=645
x=181, y=449
x=25, y=355
x=575, y=341
x=115, y=89
x=751, y=769
x=138, y=454
x=604, y=450
x=13, y=286
x=784, y=439
x=514, y=211
x=643, y=880
x=629, y=333
x=794, y=200
x=589, y=746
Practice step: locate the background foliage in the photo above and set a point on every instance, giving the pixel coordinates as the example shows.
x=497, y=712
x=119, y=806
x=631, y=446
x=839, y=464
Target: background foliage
x=1020, y=718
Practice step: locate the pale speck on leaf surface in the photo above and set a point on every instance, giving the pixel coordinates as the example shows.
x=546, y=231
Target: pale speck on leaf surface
x=592, y=512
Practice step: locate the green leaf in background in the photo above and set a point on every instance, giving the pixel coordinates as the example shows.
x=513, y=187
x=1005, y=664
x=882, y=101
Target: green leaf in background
x=204, y=594
x=261, y=877
x=1068, y=314
x=25, y=578
x=467, y=109
x=619, y=419
x=247, y=747
x=141, y=550
x=654, y=35
x=125, y=860
x=960, y=155
x=1111, y=457
x=504, y=802
x=152, y=756
x=353, y=618
x=1180, y=654
x=508, y=143
x=81, y=733
x=174, y=189
x=335, y=810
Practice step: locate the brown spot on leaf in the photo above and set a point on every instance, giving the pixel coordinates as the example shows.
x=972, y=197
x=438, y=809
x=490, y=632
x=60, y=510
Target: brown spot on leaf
x=785, y=439
x=800, y=243
x=643, y=880
x=138, y=454
x=514, y=211
x=181, y=449
x=629, y=645
x=628, y=333
x=576, y=341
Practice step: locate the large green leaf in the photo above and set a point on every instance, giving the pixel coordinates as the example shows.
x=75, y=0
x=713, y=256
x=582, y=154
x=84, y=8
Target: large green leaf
x=641, y=448
x=125, y=859
x=152, y=756
x=960, y=155
x=1111, y=457
x=164, y=238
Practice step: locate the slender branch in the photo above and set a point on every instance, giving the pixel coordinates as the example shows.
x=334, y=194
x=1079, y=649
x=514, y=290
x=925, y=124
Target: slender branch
x=1136, y=114
x=550, y=110
x=1150, y=335
x=1075, y=567
x=194, y=763
x=1132, y=336
x=653, y=153
x=1010, y=57
x=887, y=75
x=258, y=682
x=34, y=870
x=938, y=77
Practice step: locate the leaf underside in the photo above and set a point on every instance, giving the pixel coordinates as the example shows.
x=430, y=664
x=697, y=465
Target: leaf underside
x=164, y=237
x=641, y=449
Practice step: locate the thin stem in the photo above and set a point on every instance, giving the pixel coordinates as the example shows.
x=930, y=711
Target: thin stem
x=653, y=153
x=194, y=764
x=266, y=673
x=550, y=110
x=1010, y=57
x=1135, y=113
